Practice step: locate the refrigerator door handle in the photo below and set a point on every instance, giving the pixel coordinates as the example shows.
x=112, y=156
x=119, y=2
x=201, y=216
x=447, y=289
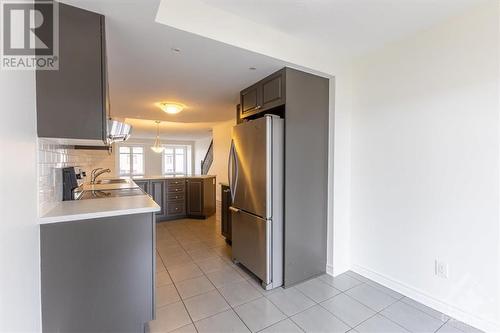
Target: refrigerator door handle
x=230, y=168
x=235, y=154
x=236, y=210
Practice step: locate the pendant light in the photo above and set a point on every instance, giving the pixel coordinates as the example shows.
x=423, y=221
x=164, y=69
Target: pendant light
x=157, y=148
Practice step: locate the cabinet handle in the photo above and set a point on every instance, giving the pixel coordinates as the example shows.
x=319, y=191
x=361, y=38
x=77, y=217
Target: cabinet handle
x=227, y=191
x=258, y=107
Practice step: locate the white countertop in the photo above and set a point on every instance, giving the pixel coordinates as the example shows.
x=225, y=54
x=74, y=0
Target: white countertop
x=75, y=210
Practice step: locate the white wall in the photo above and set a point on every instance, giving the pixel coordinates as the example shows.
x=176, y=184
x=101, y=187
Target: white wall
x=19, y=230
x=222, y=142
x=425, y=166
x=200, y=150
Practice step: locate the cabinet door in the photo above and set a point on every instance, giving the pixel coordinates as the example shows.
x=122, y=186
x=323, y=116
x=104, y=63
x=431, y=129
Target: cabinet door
x=144, y=185
x=250, y=100
x=71, y=100
x=273, y=92
x=158, y=194
x=195, y=197
x=266, y=94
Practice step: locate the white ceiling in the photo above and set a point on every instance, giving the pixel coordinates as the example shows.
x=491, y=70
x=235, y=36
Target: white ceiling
x=206, y=75
x=349, y=26
x=146, y=129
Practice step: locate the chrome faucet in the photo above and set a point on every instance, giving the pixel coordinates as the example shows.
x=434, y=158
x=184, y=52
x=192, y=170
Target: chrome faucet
x=96, y=173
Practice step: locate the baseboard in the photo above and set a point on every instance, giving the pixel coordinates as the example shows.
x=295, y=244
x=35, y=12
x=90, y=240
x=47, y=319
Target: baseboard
x=329, y=270
x=428, y=300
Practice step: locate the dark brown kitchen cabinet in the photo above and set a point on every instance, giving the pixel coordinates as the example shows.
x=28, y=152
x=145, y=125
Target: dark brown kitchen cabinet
x=195, y=197
x=200, y=197
x=250, y=100
x=225, y=214
x=72, y=101
x=264, y=95
x=181, y=197
x=157, y=191
x=176, y=198
x=273, y=91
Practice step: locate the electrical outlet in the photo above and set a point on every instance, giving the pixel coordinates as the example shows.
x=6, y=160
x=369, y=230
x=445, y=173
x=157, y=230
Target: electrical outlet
x=441, y=269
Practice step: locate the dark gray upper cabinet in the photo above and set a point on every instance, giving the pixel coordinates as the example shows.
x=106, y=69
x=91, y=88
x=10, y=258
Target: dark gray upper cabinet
x=264, y=95
x=72, y=102
x=249, y=100
x=273, y=90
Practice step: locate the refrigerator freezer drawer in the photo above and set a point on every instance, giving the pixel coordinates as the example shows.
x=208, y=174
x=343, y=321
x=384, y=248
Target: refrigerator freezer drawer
x=251, y=243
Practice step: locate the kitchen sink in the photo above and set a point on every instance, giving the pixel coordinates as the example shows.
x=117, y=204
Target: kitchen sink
x=112, y=181
x=98, y=194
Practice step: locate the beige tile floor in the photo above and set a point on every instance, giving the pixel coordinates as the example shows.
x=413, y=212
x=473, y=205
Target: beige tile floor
x=199, y=289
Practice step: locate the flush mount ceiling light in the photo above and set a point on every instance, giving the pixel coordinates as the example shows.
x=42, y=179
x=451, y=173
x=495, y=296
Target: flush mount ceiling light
x=157, y=148
x=171, y=108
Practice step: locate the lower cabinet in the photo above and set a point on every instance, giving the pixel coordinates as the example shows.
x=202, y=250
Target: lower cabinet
x=157, y=191
x=143, y=184
x=98, y=275
x=176, y=199
x=181, y=197
x=195, y=197
x=200, y=197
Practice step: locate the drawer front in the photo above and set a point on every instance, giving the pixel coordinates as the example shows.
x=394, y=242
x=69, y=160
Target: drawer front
x=175, y=182
x=176, y=208
x=173, y=197
x=176, y=189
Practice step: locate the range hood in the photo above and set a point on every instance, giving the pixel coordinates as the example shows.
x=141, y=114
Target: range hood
x=118, y=131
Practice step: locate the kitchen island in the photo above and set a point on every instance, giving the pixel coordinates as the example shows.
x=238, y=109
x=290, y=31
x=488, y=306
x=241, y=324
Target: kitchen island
x=98, y=263
x=181, y=196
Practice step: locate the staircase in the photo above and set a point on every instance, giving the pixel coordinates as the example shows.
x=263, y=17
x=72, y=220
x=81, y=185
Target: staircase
x=206, y=163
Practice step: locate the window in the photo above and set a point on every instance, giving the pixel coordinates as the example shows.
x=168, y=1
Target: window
x=175, y=160
x=131, y=161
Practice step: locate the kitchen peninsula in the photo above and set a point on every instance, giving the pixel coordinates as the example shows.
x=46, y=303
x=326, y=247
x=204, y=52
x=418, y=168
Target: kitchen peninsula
x=98, y=261
x=180, y=196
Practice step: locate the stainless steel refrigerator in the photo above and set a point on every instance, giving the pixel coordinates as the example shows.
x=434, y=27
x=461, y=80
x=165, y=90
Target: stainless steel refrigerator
x=256, y=182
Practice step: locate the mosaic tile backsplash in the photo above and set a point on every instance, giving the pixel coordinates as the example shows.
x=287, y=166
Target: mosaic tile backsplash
x=52, y=157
